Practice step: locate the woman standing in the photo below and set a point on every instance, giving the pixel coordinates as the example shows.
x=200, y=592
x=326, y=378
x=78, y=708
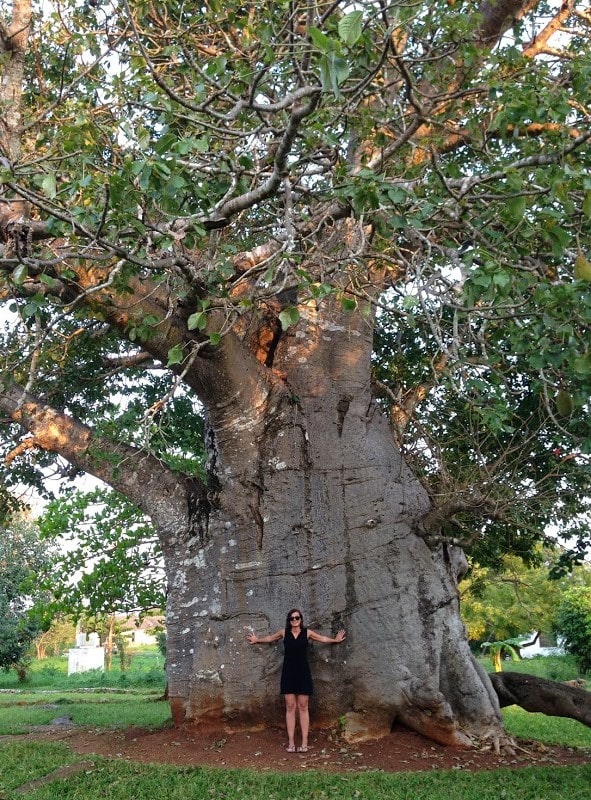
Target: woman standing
x=296, y=678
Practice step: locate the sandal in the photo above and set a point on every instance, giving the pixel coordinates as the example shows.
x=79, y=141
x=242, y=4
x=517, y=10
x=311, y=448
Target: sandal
x=302, y=749
x=290, y=749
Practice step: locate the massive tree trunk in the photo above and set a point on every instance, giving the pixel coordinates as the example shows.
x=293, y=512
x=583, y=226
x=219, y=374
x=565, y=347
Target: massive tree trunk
x=309, y=503
x=313, y=506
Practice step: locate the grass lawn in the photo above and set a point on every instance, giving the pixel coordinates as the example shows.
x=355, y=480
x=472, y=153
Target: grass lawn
x=18, y=713
x=100, y=778
x=550, y=730
x=117, y=780
x=117, y=699
x=146, y=671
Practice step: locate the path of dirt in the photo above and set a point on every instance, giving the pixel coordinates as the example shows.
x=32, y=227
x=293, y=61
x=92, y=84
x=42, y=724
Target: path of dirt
x=264, y=750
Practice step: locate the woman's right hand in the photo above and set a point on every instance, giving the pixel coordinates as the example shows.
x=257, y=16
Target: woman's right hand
x=251, y=638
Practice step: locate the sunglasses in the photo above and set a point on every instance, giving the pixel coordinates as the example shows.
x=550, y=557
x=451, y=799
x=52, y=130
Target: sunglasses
x=294, y=619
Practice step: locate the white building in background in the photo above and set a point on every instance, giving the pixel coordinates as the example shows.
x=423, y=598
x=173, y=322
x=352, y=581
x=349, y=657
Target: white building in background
x=87, y=654
x=142, y=632
x=542, y=644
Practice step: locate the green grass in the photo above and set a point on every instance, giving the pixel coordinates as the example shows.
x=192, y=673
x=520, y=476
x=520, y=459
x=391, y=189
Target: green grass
x=117, y=780
x=25, y=761
x=550, y=730
x=113, y=698
x=17, y=714
x=146, y=670
x=124, y=699
x=98, y=695
x=555, y=668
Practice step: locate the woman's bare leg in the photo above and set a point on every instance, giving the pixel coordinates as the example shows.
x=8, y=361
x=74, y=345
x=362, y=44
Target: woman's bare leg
x=304, y=714
x=290, y=718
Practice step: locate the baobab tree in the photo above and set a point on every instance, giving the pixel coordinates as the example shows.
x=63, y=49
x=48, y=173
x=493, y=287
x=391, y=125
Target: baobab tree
x=211, y=213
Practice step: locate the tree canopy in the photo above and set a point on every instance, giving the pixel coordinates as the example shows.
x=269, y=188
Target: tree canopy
x=573, y=620
x=109, y=559
x=518, y=599
x=187, y=155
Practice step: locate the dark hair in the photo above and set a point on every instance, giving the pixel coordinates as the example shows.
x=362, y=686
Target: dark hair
x=289, y=613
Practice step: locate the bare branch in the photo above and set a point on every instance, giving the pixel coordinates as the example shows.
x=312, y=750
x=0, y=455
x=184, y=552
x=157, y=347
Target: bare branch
x=235, y=205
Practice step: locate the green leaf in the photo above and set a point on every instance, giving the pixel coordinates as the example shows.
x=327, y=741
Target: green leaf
x=49, y=185
x=516, y=207
x=502, y=278
x=288, y=317
x=47, y=280
x=333, y=71
x=348, y=303
x=215, y=338
x=198, y=321
x=582, y=364
x=582, y=271
x=564, y=403
x=587, y=205
x=351, y=27
x=175, y=355
x=30, y=310
x=20, y=274
x=320, y=40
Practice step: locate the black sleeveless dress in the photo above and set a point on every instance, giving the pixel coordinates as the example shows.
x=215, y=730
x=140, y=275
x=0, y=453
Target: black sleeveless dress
x=296, y=677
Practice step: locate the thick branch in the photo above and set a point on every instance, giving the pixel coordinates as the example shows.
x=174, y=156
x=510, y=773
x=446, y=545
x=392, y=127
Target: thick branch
x=235, y=205
x=228, y=378
x=473, y=502
x=13, y=44
x=497, y=16
x=541, y=695
x=540, y=42
x=149, y=483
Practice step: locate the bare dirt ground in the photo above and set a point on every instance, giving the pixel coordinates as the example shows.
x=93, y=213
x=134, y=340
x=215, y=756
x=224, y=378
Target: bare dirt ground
x=401, y=751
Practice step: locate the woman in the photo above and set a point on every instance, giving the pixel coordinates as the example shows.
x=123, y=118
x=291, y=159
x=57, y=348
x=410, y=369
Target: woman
x=296, y=678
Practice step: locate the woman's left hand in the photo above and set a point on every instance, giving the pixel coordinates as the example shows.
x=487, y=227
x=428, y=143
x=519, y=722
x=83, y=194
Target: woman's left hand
x=340, y=636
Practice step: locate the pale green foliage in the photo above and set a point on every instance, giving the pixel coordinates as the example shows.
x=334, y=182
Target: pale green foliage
x=511, y=601
x=109, y=561
x=22, y=556
x=60, y=635
x=573, y=620
x=498, y=650
x=508, y=603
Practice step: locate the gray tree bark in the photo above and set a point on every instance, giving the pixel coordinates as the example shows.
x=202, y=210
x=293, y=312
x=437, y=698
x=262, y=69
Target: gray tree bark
x=314, y=507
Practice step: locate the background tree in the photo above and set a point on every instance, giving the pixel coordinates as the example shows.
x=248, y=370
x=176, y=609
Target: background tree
x=501, y=649
x=109, y=559
x=22, y=556
x=519, y=598
x=207, y=210
x=573, y=621
x=59, y=636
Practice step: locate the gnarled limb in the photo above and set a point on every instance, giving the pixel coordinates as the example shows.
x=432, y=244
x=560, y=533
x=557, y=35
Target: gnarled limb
x=137, y=474
x=546, y=697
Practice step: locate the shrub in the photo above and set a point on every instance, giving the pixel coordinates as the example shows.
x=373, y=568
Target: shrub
x=573, y=621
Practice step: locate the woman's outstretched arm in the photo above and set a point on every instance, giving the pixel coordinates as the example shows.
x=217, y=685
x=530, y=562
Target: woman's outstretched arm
x=318, y=637
x=252, y=638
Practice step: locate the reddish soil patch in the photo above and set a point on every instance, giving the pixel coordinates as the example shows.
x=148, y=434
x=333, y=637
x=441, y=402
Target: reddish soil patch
x=401, y=751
